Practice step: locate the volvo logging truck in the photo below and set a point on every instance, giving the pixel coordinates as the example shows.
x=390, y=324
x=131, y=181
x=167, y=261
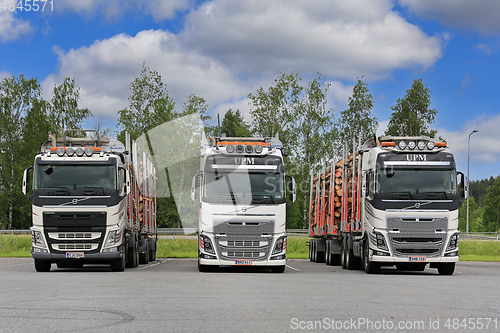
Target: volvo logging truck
x=395, y=201
x=93, y=202
x=241, y=192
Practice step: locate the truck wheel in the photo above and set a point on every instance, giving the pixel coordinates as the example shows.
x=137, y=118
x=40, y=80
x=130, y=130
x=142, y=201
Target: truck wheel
x=118, y=265
x=132, y=255
x=152, y=249
x=314, y=251
x=328, y=256
x=310, y=250
x=343, y=256
x=42, y=265
x=370, y=267
x=446, y=269
x=351, y=262
x=278, y=269
x=144, y=257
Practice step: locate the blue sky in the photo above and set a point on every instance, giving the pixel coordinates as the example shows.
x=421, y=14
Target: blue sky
x=223, y=50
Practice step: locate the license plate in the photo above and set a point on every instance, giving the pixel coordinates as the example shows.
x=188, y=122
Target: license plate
x=417, y=259
x=243, y=262
x=75, y=255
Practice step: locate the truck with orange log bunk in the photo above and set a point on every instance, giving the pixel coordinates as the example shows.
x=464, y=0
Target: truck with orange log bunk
x=392, y=201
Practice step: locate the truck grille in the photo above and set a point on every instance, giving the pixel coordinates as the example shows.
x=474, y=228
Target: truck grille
x=417, y=236
x=243, y=239
x=75, y=231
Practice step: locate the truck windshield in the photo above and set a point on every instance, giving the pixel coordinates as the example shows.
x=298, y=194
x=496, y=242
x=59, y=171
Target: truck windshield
x=75, y=176
x=412, y=181
x=239, y=186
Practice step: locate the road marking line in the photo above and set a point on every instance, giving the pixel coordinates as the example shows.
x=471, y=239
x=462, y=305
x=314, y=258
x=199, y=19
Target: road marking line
x=296, y=269
x=152, y=265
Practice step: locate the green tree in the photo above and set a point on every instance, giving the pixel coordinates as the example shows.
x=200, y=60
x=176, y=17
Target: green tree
x=233, y=125
x=64, y=107
x=356, y=122
x=412, y=115
x=273, y=112
x=149, y=105
x=22, y=118
x=491, y=212
x=474, y=217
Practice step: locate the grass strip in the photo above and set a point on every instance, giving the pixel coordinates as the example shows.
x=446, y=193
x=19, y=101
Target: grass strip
x=470, y=250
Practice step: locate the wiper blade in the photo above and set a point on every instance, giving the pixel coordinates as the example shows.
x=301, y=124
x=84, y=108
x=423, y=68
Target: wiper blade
x=405, y=193
x=437, y=192
x=55, y=187
x=263, y=197
x=94, y=187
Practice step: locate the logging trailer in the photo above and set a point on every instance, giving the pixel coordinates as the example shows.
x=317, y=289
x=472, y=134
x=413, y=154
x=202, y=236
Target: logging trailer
x=394, y=201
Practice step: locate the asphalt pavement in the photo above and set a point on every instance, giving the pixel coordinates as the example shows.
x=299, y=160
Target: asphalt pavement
x=170, y=295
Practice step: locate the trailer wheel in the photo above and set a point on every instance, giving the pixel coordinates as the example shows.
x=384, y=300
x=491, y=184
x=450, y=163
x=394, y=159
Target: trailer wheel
x=328, y=256
x=42, y=265
x=144, y=257
x=351, y=262
x=313, y=256
x=343, y=255
x=152, y=249
x=370, y=267
x=446, y=268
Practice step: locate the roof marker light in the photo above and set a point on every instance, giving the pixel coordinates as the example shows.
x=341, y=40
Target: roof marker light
x=388, y=144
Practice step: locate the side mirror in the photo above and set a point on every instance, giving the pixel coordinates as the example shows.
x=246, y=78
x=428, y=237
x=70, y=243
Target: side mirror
x=126, y=180
x=463, y=191
x=292, y=188
x=195, y=188
x=26, y=175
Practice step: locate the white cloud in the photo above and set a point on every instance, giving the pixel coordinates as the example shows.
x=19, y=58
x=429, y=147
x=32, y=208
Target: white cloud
x=480, y=15
x=104, y=69
x=343, y=39
x=230, y=48
x=111, y=9
x=484, y=145
x=12, y=28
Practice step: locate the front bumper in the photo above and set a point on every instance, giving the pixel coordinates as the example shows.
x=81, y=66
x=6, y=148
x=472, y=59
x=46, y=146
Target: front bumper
x=260, y=263
x=87, y=257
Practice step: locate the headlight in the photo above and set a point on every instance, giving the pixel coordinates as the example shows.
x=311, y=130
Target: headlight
x=280, y=245
x=453, y=243
x=258, y=149
x=89, y=151
x=230, y=148
x=70, y=151
x=60, y=152
x=402, y=145
x=430, y=145
x=249, y=149
x=206, y=244
x=381, y=241
x=79, y=151
x=37, y=238
x=240, y=149
x=421, y=145
x=114, y=237
x=411, y=145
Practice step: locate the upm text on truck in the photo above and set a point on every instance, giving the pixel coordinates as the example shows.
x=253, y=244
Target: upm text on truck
x=241, y=191
x=94, y=201
x=394, y=201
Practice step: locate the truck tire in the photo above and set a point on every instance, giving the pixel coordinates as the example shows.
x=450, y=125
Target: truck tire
x=351, y=262
x=343, y=256
x=313, y=251
x=42, y=265
x=144, y=257
x=446, y=268
x=310, y=250
x=132, y=258
x=328, y=256
x=118, y=265
x=278, y=269
x=152, y=249
x=370, y=267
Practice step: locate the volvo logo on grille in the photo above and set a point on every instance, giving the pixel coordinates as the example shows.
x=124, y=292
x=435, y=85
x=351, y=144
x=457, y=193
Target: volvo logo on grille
x=244, y=209
x=417, y=205
x=74, y=201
